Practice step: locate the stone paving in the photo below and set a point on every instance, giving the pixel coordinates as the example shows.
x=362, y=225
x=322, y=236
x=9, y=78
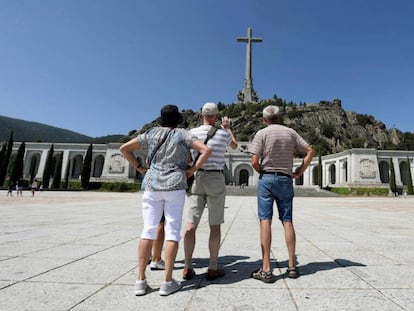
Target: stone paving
x=77, y=251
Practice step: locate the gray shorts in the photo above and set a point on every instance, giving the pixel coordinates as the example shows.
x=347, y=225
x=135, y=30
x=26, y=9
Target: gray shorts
x=209, y=190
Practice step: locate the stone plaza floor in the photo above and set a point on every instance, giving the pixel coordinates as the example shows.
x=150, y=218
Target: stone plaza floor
x=77, y=251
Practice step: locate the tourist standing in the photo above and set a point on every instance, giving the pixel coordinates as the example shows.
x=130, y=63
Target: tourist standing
x=208, y=190
x=34, y=187
x=19, y=187
x=272, y=150
x=164, y=186
x=10, y=188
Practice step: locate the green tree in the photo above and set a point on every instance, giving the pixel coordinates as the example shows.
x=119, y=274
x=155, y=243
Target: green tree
x=86, y=168
x=47, y=172
x=410, y=189
x=5, y=163
x=393, y=185
x=16, y=171
x=57, y=175
x=2, y=154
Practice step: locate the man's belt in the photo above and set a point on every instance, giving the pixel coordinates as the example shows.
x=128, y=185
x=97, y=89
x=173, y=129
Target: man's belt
x=215, y=171
x=276, y=173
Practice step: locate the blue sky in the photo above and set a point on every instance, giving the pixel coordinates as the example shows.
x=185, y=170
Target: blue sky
x=102, y=67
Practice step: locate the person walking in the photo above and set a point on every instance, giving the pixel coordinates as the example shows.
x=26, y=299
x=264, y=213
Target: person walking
x=208, y=190
x=272, y=150
x=164, y=186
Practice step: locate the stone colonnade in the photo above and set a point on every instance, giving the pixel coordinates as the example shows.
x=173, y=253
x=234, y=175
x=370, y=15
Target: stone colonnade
x=354, y=167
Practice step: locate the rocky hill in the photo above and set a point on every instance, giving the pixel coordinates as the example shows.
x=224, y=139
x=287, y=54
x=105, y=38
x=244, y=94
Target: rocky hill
x=326, y=125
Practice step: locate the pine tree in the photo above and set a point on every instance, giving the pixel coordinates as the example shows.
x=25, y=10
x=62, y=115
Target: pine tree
x=58, y=172
x=47, y=172
x=86, y=168
x=393, y=185
x=410, y=189
x=5, y=163
x=16, y=171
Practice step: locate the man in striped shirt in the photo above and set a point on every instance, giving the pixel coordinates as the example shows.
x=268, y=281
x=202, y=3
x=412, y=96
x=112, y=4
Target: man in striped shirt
x=272, y=152
x=208, y=190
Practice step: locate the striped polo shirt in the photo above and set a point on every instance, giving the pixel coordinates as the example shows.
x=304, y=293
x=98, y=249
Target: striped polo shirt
x=275, y=145
x=218, y=145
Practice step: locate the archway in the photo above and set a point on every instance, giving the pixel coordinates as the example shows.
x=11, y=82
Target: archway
x=76, y=166
x=244, y=177
x=315, y=175
x=98, y=166
x=299, y=181
x=332, y=174
x=403, y=172
x=33, y=166
x=384, y=169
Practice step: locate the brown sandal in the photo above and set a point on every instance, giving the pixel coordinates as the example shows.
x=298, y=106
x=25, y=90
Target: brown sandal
x=263, y=276
x=293, y=273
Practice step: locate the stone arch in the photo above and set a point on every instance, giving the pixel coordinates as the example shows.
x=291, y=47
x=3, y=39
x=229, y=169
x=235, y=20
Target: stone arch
x=98, y=164
x=33, y=165
x=243, y=174
x=384, y=170
x=332, y=174
x=315, y=175
x=299, y=181
x=403, y=172
x=345, y=171
x=244, y=177
x=55, y=161
x=76, y=166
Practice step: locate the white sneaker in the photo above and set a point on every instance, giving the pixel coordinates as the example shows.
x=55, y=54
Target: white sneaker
x=160, y=265
x=140, y=288
x=168, y=288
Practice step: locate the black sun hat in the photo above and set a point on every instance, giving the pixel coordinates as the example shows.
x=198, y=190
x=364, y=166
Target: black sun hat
x=170, y=116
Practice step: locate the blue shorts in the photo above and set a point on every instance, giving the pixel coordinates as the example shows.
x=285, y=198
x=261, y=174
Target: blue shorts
x=275, y=188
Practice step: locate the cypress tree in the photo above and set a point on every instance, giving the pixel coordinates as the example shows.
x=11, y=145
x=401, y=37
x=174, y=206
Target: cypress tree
x=47, y=172
x=16, y=171
x=5, y=163
x=86, y=168
x=58, y=172
x=393, y=185
x=410, y=189
x=2, y=155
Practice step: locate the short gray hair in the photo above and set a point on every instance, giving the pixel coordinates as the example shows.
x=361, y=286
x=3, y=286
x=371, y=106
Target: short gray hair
x=271, y=113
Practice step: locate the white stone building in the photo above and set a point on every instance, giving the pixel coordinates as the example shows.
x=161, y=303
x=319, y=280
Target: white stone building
x=354, y=167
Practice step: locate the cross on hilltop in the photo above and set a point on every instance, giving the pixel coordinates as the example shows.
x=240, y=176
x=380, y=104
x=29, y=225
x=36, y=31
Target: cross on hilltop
x=248, y=94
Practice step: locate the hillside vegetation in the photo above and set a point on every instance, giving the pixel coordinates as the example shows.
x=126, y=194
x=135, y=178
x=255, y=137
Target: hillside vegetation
x=326, y=125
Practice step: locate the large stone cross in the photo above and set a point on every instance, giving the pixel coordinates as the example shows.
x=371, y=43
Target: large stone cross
x=248, y=94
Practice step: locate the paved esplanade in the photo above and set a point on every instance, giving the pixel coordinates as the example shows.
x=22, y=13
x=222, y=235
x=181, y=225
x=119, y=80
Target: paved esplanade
x=77, y=251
